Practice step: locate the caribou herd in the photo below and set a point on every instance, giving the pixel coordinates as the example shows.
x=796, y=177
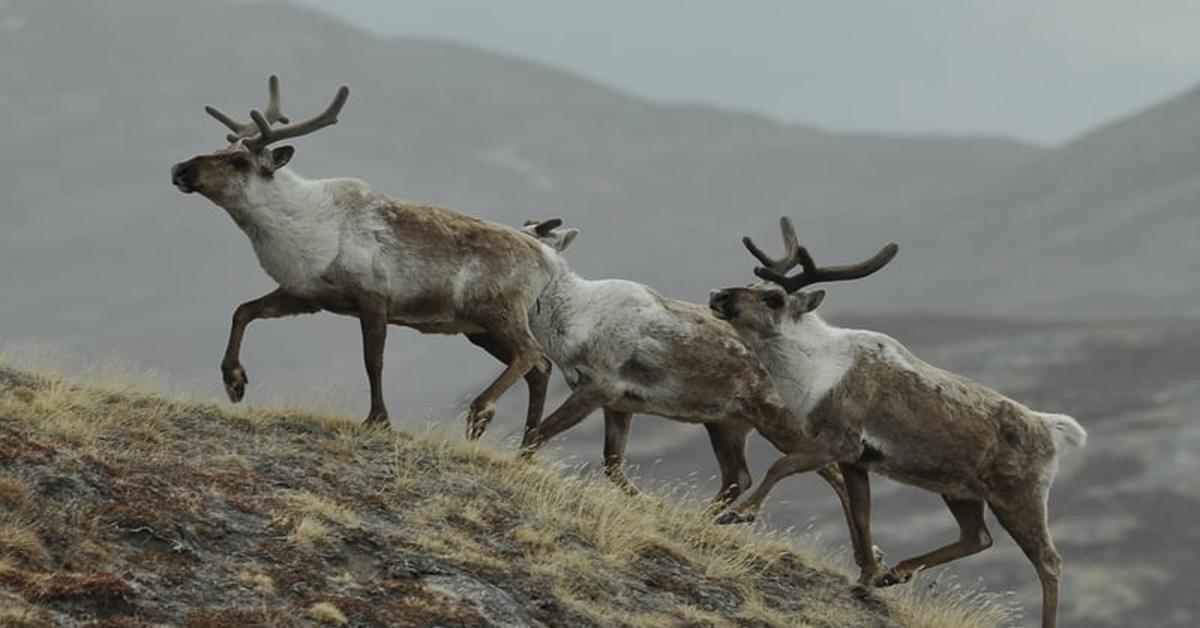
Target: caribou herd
x=841, y=402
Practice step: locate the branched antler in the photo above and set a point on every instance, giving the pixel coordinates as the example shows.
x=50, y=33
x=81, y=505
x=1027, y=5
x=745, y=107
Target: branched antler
x=268, y=135
x=791, y=252
x=243, y=130
x=774, y=270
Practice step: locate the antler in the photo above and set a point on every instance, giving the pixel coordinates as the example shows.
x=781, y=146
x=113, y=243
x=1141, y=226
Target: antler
x=243, y=130
x=267, y=135
x=544, y=227
x=773, y=269
x=791, y=253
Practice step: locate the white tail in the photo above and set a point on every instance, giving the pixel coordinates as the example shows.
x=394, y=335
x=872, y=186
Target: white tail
x=1064, y=430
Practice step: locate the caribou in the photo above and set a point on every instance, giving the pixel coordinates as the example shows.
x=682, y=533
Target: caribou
x=869, y=404
x=626, y=349
x=341, y=246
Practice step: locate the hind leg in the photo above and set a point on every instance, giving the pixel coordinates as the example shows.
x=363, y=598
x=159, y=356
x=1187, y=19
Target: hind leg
x=537, y=379
x=728, y=441
x=582, y=402
x=973, y=537
x=1025, y=521
x=517, y=342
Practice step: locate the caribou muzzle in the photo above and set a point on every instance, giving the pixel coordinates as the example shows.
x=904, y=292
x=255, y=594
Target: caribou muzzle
x=721, y=304
x=183, y=176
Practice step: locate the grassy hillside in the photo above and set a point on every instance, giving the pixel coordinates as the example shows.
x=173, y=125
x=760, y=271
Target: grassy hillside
x=119, y=507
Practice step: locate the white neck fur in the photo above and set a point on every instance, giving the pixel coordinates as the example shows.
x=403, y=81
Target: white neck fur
x=806, y=360
x=294, y=225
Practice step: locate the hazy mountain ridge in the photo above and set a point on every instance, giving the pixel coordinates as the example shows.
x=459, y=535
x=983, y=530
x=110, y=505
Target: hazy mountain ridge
x=1102, y=227
x=100, y=98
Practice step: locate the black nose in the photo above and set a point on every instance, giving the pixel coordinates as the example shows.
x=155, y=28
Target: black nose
x=721, y=304
x=183, y=175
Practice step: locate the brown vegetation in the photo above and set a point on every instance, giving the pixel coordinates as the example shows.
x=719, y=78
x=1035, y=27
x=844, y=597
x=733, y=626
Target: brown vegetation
x=123, y=508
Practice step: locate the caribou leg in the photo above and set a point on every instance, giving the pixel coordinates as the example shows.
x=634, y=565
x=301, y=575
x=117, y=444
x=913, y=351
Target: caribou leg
x=537, y=379
x=373, y=318
x=276, y=304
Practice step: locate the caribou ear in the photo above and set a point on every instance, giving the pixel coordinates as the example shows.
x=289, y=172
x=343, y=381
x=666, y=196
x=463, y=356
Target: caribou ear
x=568, y=236
x=281, y=156
x=812, y=300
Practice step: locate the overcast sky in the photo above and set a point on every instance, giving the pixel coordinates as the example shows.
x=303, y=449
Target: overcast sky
x=1042, y=70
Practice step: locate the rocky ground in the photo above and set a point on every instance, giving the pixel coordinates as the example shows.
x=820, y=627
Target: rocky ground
x=121, y=508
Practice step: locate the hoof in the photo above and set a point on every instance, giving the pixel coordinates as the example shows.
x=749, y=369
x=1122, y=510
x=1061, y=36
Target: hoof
x=617, y=477
x=377, y=419
x=892, y=577
x=477, y=422
x=235, y=382
x=732, y=516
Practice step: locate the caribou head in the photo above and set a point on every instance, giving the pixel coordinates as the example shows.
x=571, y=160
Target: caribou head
x=230, y=175
x=761, y=308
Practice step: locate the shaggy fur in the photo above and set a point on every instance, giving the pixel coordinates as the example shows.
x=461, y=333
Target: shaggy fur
x=627, y=349
x=871, y=405
x=339, y=245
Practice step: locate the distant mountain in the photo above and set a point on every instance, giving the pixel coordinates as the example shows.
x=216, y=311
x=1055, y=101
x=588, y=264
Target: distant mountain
x=99, y=252
x=1105, y=226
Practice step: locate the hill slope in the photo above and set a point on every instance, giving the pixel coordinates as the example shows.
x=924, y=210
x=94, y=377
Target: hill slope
x=132, y=510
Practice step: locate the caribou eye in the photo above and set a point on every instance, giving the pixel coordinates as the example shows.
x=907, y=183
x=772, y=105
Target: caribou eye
x=240, y=163
x=774, y=300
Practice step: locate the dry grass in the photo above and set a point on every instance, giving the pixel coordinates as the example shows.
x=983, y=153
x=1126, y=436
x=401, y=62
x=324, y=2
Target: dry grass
x=313, y=505
x=309, y=518
x=556, y=504
x=185, y=479
x=17, y=614
x=930, y=603
x=13, y=493
x=21, y=545
x=260, y=583
x=308, y=531
x=327, y=613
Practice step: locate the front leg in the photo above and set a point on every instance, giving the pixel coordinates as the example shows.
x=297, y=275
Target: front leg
x=276, y=304
x=810, y=458
x=616, y=433
x=858, y=516
x=373, y=317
